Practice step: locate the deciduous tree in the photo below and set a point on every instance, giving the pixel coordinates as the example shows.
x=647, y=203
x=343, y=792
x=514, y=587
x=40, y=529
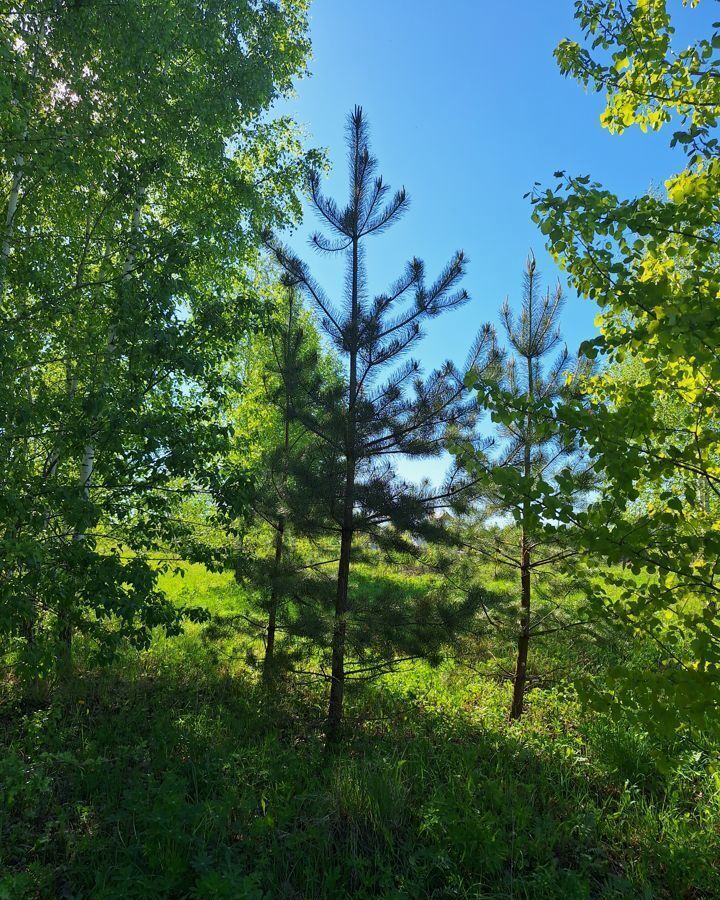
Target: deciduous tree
x=651, y=263
x=138, y=171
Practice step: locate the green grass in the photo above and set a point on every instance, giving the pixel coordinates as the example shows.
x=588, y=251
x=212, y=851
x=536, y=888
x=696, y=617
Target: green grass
x=175, y=775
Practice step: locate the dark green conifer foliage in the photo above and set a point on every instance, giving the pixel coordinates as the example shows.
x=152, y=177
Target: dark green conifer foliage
x=294, y=483
x=388, y=409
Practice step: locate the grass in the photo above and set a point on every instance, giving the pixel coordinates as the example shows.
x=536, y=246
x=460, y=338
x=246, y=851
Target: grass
x=175, y=775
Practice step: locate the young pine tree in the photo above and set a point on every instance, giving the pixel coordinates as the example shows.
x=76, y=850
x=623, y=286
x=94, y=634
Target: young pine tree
x=281, y=474
x=388, y=409
x=297, y=476
x=535, y=472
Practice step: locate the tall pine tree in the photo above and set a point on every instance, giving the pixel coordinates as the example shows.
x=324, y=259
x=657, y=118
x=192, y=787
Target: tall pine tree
x=388, y=409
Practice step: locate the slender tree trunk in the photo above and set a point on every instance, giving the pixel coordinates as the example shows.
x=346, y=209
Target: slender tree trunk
x=88, y=462
x=280, y=532
x=524, y=635
x=65, y=626
x=5, y=251
x=50, y=469
x=337, y=683
x=516, y=709
x=269, y=659
x=13, y=199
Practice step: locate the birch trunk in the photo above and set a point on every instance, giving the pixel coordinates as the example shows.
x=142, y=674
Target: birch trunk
x=87, y=465
x=12, y=206
x=5, y=251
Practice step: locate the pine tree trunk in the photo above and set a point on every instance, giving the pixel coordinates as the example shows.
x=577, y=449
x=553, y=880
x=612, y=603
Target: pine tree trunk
x=337, y=683
x=516, y=709
x=268, y=661
x=280, y=532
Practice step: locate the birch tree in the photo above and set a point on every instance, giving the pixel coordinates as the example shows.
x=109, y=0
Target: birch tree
x=140, y=170
x=651, y=264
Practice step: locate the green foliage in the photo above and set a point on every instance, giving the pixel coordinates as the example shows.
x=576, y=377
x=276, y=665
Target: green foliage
x=138, y=170
x=175, y=775
x=162, y=400
x=651, y=263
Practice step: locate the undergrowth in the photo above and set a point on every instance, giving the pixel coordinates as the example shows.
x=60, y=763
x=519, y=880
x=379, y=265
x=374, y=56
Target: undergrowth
x=175, y=774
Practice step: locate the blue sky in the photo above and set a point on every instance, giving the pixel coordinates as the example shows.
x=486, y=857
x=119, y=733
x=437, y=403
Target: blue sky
x=467, y=109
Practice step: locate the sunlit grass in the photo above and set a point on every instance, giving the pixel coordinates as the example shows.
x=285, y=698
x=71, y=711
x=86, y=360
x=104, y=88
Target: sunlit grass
x=175, y=774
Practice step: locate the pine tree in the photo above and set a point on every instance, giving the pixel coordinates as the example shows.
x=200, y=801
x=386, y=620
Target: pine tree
x=400, y=414
x=294, y=478
x=533, y=469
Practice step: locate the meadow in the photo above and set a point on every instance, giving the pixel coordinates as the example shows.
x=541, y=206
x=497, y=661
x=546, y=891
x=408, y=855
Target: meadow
x=175, y=773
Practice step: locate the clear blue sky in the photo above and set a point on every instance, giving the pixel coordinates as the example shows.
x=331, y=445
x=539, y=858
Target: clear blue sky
x=467, y=109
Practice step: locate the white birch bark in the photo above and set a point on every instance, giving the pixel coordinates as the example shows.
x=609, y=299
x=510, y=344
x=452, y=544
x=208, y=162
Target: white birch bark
x=13, y=200
x=88, y=462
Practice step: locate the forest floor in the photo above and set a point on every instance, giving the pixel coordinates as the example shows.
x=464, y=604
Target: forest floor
x=173, y=774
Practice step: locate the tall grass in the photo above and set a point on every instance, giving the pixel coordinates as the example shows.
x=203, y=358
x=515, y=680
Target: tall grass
x=175, y=774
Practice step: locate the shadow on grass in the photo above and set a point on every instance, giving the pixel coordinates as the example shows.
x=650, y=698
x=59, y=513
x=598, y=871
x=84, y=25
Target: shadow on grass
x=178, y=781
